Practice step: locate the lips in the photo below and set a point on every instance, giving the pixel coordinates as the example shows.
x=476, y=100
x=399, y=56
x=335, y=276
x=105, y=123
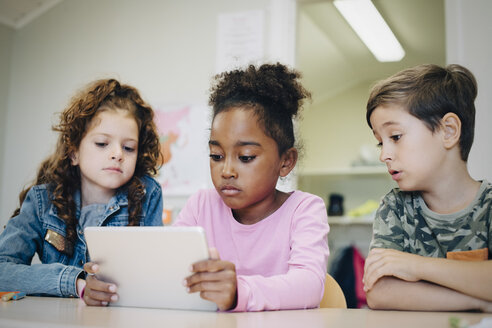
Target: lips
x=113, y=169
x=395, y=175
x=229, y=190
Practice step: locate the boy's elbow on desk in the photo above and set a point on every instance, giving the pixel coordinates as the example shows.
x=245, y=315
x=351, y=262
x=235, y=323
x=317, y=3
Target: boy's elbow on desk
x=377, y=297
x=374, y=301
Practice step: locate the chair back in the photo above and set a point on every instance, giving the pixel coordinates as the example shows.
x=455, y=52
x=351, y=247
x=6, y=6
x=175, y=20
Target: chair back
x=333, y=296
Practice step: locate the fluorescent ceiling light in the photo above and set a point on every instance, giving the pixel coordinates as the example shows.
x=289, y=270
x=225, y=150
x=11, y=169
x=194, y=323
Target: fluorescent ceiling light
x=370, y=26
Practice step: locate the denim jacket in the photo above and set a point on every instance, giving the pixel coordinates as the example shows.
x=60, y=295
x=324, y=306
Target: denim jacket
x=57, y=273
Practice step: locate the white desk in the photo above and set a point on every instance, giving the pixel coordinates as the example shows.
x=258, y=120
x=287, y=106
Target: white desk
x=60, y=312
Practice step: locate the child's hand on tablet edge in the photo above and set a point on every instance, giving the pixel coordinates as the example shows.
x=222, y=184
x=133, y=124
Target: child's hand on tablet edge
x=97, y=292
x=215, y=280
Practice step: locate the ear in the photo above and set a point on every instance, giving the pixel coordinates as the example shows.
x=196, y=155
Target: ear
x=74, y=158
x=451, y=130
x=288, y=161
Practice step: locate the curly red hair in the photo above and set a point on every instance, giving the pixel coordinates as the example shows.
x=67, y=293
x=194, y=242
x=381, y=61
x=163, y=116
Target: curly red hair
x=63, y=178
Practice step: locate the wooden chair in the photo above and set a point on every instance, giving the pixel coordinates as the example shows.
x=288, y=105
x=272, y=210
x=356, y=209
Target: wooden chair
x=333, y=296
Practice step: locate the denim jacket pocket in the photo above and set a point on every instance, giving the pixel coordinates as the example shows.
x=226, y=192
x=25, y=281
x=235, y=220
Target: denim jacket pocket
x=54, y=242
x=58, y=241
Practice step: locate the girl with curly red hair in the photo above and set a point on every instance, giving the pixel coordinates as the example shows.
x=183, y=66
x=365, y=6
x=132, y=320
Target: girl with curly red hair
x=99, y=175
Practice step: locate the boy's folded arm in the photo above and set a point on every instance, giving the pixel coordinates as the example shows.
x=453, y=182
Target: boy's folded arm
x=391, y=293
x=473, y=278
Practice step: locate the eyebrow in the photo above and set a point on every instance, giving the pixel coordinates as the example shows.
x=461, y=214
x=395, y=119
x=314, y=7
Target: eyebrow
x=385, y=124
x=110, y=136
x=390, y=123
x=238, y=144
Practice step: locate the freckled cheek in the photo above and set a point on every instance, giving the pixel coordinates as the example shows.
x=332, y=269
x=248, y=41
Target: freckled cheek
x=132, y=161
x=129, y=166
x=133, y=167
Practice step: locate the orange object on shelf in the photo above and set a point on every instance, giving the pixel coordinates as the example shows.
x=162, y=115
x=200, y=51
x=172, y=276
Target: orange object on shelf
x=167, y=216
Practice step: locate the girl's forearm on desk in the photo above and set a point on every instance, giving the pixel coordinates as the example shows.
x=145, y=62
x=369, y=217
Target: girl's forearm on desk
x=297, y=289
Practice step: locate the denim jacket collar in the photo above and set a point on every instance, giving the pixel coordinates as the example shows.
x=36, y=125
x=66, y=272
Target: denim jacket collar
x=118, y=200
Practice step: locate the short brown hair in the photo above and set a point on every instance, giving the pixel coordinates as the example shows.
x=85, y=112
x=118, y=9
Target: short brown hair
x=428, y=92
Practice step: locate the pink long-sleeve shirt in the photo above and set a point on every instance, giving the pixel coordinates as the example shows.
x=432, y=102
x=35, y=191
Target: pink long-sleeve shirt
x=280, y=261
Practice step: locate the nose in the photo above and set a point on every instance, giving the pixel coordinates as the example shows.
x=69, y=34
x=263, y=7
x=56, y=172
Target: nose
x=228, y=170
x=386, y=154
x=116, y=153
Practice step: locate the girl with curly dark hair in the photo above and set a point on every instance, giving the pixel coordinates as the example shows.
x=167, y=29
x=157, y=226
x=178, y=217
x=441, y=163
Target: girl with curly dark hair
x=99, y=175
x=272, y=244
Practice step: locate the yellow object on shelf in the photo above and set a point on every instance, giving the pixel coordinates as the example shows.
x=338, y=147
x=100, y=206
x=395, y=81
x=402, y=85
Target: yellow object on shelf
x=364, y=209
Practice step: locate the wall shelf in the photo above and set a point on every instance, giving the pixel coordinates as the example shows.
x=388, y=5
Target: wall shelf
x=357, y=185
x=348, y=220
x=355, y=170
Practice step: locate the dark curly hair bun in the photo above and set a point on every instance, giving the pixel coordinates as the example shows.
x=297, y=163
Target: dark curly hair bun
x=272, y=90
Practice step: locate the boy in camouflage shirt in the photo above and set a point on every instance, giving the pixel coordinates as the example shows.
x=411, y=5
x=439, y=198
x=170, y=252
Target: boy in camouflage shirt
x=432, y=236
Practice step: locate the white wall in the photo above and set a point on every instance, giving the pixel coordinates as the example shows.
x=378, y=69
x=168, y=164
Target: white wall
x=165, y=48
x=333, y=129
x=468, y=31
x=6, y=42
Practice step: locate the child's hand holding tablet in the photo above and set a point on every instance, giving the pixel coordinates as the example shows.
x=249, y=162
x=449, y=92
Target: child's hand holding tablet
x=144, y=266
x=215, y=280
x=97, y=292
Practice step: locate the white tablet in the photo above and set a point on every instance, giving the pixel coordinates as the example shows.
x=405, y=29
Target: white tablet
x=148, y=264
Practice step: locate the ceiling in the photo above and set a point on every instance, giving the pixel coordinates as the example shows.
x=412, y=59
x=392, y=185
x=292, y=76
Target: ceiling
x=17, y=13
x=329, y=53
x=332, y=58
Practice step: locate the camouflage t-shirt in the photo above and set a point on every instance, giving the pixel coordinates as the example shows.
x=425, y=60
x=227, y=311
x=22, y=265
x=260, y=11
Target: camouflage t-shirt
x=405, y=223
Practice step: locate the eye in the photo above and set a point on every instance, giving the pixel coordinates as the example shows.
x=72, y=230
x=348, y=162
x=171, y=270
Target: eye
x=215, y=157
x=379, y=145
x=395, y=137
x=128, y=149
x=246, y=159
x=101, y=144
